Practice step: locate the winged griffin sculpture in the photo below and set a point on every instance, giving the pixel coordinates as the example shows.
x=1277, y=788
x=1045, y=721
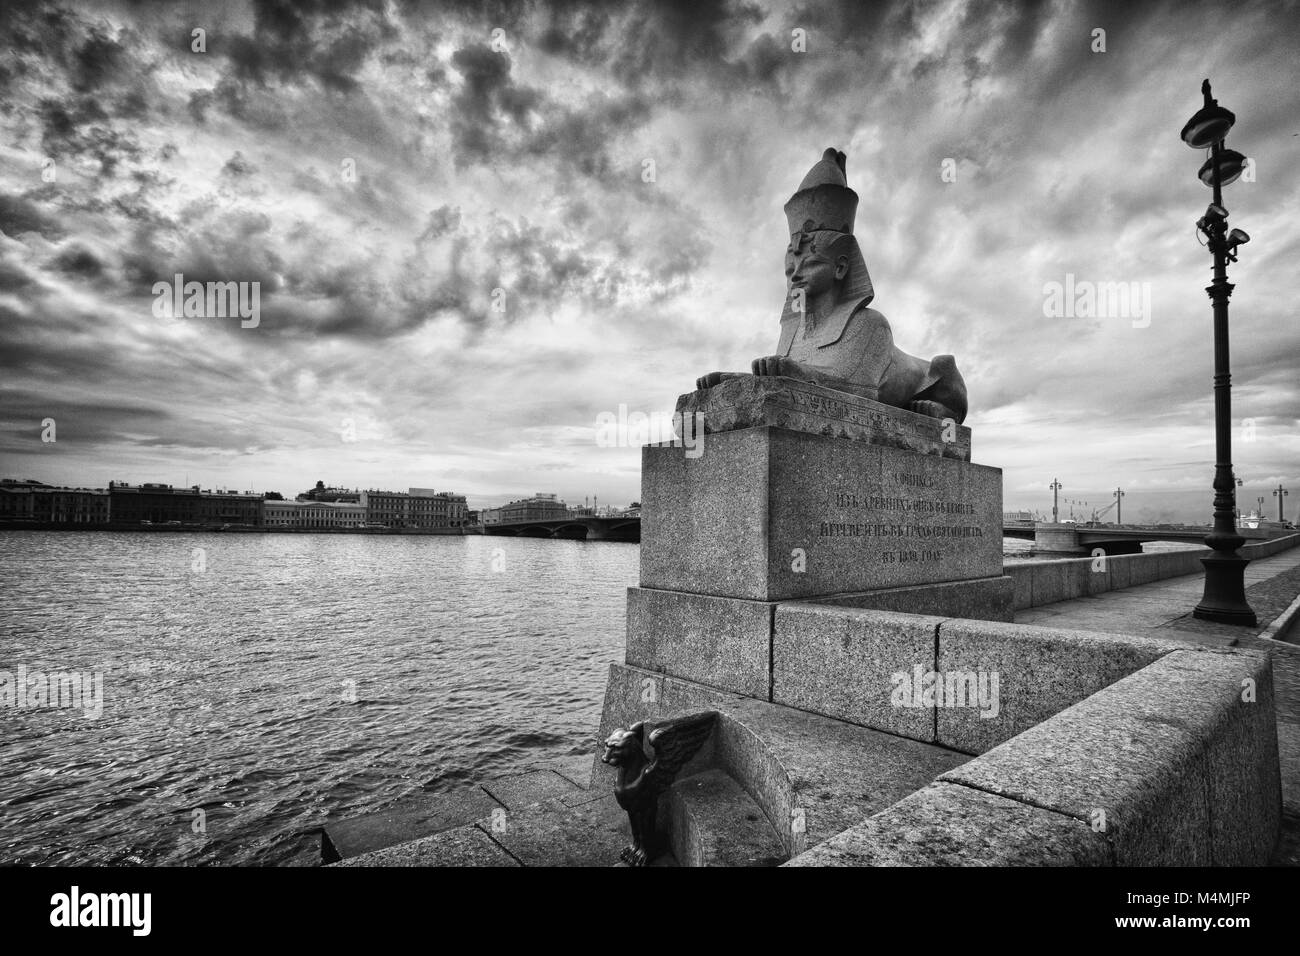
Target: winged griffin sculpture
x=647, y=765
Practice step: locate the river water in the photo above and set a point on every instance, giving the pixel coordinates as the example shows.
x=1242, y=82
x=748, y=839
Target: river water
x=293, y=678
x=256, y=685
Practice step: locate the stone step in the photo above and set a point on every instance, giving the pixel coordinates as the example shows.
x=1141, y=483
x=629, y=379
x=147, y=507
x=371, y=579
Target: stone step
x=427, y=814
x=812, y=776
x=714, y=822
x=578, y=829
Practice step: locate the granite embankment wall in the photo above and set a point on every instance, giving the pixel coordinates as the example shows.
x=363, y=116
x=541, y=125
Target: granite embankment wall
x=1095, y=749
x=1046, y=582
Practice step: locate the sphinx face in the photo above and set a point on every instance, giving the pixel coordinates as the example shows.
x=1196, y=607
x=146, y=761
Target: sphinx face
x=812, y=272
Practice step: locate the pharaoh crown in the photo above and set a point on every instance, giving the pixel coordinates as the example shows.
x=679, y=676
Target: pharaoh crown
x=824, y=199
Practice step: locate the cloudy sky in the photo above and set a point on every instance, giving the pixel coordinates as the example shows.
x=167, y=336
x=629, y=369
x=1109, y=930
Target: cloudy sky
x=618, y=174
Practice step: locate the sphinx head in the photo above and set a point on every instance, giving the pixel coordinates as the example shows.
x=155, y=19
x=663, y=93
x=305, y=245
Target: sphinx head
x=823, y=263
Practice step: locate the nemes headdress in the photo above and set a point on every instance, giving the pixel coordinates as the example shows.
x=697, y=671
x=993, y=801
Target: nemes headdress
x=824, y=200
x=824, y=203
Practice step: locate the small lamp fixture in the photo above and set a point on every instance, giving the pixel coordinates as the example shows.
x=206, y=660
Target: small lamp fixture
x=1230, y=163
x=1211, y=123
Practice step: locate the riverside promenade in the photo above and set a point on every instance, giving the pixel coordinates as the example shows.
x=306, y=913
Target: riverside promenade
x=1101, y=634
x=1163, y=609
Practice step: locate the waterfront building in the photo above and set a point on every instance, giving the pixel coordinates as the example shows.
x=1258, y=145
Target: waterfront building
x=35, y=501
x=418, y=508
x=314, y=514
x=540, y=507
x=437, y=509
x=154, y=503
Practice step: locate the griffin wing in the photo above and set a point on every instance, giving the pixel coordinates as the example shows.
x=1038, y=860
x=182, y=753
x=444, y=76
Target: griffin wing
x=673, y=744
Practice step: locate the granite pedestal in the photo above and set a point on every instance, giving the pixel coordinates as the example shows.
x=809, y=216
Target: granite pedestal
x=804, y=493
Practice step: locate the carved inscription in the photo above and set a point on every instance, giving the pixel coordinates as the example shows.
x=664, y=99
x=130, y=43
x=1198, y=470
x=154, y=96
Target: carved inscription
x=918, y=534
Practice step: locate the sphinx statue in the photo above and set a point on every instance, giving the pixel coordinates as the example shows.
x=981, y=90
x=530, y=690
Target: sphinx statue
x=829, y=336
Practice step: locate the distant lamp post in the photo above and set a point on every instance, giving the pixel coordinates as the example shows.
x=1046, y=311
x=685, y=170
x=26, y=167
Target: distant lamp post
x=1279, y=493
x=1119, y=506
x=1237, y=508
x=1224, y=598
x=1056, y=486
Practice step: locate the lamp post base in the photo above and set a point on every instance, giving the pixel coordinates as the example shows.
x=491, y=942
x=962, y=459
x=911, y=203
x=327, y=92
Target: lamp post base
x=1224, y=598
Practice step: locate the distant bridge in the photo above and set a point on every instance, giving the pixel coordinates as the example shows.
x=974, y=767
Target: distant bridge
x=1082, y=538
x=577, y=528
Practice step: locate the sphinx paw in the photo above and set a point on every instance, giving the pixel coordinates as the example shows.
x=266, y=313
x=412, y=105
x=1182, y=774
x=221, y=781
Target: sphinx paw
x=933, y=409
x=708, y=381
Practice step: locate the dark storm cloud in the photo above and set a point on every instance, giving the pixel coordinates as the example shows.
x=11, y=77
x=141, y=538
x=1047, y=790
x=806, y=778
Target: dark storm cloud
x=580, y=137
x=325, y=40
x=18, y=215
x=487, y=105
x=79, y=262
x=247, y=103
x=78, y=421
x=82, y=128
x=52, y=347
x=576, y=33
x=98, y=62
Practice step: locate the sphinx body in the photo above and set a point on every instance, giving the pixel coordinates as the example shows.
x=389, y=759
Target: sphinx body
x=829, y=335
x=858, y=355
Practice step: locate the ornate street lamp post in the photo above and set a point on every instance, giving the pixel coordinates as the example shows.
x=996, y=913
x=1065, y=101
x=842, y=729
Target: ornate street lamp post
x=1119, y=506
x=1224, y=598
x=1056, y=486
x=1279, y=493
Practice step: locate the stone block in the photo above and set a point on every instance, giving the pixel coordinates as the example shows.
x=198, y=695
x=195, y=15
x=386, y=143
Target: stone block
x=1050, y=582
x=843, y=662
x=418, y=816
x=521, y=790
x=463, y=846
x=1037, y=672
x=985, y=599
x=752, y=401
x=1244, y=770
x=1145, y=760
x=947, y=825
x=557, y=834
x=1096, y=573
x=769, y=514
x=1022, y=575
x=723, y=642
x=1145, y=568
x=1120, y=570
